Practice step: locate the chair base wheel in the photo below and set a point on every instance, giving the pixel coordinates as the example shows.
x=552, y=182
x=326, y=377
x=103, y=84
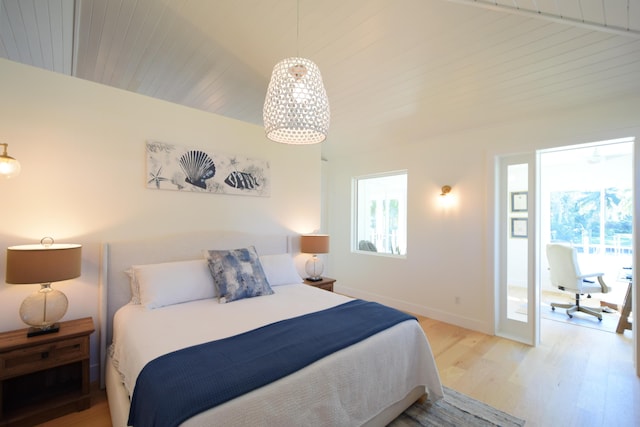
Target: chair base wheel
x=573, y=308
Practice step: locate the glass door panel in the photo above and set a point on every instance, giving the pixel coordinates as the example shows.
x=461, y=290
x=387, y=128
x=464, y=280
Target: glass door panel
x=517, y=297
x=516, y=222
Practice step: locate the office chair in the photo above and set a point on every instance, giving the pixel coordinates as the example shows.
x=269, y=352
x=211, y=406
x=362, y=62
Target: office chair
x=365, y=245
x=566, y=276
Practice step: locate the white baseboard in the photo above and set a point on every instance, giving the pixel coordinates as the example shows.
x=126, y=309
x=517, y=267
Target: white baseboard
x=443, y=316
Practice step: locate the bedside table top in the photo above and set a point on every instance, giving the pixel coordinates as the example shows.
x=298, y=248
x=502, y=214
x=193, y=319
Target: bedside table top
x=324, y=281
x=12, y=340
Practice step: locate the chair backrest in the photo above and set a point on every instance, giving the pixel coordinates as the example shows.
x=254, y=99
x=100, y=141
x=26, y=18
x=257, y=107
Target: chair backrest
x=563, y=266
x=365, y=245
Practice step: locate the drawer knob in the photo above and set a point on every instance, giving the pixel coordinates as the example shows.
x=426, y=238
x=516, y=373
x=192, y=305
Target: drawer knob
x=44, y=354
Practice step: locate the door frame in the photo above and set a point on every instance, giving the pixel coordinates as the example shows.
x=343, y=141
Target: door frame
x=527, y=332
x=493, y=226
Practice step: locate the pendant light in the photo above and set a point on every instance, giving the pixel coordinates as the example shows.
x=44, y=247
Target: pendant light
x=296, y=108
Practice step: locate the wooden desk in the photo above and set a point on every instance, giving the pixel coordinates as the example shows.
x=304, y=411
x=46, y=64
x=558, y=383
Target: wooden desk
x=624, y=323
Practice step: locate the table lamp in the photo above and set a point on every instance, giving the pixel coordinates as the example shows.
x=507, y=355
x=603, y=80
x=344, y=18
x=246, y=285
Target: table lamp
x=42, y=264
x=314, y=244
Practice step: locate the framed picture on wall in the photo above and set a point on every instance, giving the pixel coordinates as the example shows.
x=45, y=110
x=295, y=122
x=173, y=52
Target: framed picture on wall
x=519, y=201
x=519, y=227
x=180, y=168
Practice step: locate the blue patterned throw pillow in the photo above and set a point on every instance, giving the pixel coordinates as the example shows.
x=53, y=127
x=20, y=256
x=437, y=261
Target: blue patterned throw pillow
x=238, y=274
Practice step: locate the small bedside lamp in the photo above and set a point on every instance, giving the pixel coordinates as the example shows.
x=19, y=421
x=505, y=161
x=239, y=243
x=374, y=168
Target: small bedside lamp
x=43, y=264
x=314, y=244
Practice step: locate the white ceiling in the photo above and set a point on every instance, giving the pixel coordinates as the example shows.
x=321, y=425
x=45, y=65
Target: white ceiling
x=395, y=71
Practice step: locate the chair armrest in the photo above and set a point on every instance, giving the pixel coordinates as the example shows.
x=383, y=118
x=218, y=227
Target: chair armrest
x=603, y=286
x=584, y=276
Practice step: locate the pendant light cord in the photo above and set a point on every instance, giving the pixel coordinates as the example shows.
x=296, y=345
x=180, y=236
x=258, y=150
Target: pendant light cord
x=298, y=28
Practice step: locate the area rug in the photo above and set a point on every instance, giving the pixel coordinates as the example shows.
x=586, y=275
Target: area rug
x=455, y=410
x=609, y=321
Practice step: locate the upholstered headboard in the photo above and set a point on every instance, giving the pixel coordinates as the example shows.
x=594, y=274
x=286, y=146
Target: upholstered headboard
x=118, y=256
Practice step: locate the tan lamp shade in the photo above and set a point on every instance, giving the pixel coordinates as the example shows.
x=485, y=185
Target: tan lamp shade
x=314, y=244
x=29, y=264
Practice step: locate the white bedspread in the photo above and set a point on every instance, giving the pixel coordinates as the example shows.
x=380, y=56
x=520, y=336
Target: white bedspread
x=346, y=388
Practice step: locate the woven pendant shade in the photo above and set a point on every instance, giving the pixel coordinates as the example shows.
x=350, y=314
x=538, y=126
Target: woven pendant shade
x=296, y=108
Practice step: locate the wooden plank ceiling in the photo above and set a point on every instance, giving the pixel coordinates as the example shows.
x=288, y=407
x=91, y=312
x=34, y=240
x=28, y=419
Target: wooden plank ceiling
x=396, y=71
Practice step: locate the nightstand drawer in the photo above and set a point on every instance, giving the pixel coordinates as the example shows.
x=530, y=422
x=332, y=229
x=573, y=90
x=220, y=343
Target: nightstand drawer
x=326, y=286
x=325, y=283
x=44, y=356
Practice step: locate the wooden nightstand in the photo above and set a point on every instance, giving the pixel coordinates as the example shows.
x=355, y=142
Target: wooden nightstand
x=326, y=283
x=46, y=376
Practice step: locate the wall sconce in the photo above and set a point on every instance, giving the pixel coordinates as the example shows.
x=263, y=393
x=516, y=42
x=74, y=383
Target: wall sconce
x=9, y=167
x=446, y=199
x=43, y=264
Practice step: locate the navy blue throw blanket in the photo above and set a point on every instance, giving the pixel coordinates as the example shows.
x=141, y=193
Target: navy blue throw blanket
x=178, y=385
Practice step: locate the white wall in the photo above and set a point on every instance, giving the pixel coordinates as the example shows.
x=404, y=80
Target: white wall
x=82, y=151
x=450, y=252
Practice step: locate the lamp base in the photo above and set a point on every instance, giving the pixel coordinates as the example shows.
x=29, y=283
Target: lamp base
x=34, y=332
x=42, y=309
x=313, y=267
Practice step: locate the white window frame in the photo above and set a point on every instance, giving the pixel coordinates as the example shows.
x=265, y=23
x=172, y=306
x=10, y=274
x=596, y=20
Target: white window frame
x=403, y=212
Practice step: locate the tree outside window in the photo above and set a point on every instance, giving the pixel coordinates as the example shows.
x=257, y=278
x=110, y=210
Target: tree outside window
x=593, y=221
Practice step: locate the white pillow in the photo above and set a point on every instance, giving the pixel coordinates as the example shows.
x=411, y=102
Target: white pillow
x=172, y=282
x=135, y=288
x=280, y=269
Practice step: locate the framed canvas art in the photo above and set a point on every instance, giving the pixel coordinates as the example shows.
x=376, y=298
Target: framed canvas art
x=178, y=168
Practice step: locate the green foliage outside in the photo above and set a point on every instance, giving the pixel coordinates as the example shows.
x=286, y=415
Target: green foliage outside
x=577, y=216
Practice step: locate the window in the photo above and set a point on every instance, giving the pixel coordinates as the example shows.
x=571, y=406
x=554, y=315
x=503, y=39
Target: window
x=593, y=220
x=380, y=213
x=588, y=194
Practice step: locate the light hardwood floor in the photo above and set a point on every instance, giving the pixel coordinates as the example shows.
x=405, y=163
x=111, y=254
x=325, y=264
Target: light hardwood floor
x=577, y=377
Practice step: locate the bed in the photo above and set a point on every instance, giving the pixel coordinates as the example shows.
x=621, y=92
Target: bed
x=369, y=382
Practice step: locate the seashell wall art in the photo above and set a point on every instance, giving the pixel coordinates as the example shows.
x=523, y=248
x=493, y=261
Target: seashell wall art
x=174, y=167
